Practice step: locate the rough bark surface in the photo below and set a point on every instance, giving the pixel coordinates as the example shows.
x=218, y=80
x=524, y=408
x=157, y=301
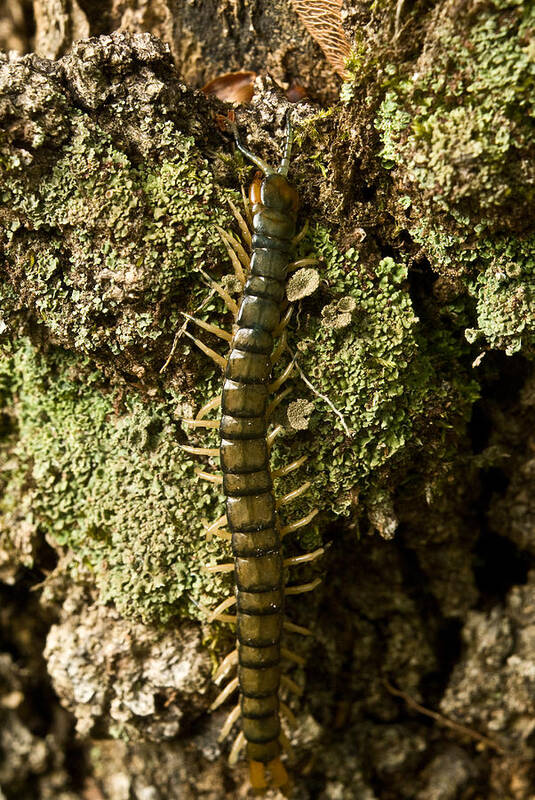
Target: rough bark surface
x=419, y=329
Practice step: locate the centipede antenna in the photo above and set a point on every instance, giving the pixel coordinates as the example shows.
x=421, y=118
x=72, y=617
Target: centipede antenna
x=266, y=169
x=285, y=163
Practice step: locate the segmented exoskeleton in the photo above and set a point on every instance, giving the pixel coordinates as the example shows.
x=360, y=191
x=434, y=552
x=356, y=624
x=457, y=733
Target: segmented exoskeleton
x=251, y=520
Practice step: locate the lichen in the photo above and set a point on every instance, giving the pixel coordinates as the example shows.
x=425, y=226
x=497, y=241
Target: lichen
x=108, y=480
x=460, y=148
x=105, y=241
x=378, y=375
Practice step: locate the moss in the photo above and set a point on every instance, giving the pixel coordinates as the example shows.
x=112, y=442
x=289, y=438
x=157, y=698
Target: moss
x=107, y=478
x=101, y=244
x=379, y=372
x=112, y=486
x=459, y=142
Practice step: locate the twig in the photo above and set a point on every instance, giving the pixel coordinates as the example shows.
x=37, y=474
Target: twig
x=181, y=331
x=448, y=723
x=321, y=396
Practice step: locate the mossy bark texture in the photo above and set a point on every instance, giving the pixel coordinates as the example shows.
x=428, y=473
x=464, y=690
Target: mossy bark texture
x=413, y=399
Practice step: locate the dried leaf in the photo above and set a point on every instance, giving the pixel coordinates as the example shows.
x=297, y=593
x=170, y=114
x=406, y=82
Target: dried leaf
x=323, y=21
x=233, y=87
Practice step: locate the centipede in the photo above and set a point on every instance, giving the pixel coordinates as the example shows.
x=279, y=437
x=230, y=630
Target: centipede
x=250, y=392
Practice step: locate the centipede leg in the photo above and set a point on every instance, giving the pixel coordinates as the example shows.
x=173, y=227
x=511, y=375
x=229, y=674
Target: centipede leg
x=247, y=209
x=284, y=322
x=280, y=348
x=303, y=587
x=283, y=471
x=237, y=747
x=201, y=423
x=244, y=227
x=235, y=257
x=302, y=233
x=279, y=776
x=200, y=451
x=294, y=657
x=277, y=400
x=288, y=714
x=293, y=561
x=229, y=302
x=299, y=523
x=220, y=522
x=291, y=627
x=208, y=476
x=229, y=723
x=291, y=496
x=283, y=377
x=228, y=663
x=302, y=262
x=207, y=326
x=230, y=601
x=270, y=438
x=209, y=406
x=222, y=696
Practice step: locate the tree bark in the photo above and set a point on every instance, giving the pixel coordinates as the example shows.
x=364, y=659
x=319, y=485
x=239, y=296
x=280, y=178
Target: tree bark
x=413, y=397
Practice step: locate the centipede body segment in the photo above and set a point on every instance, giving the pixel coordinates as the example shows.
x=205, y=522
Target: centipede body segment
x=251, y=521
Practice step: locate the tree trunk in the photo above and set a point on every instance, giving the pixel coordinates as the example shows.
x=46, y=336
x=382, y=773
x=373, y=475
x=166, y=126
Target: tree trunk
x=413, y=397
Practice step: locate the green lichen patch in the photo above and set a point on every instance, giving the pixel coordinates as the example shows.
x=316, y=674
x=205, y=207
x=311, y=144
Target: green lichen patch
x=102, y=246
x=382, y=382
x=460, y=126
x=459, y=143
x=107, y=479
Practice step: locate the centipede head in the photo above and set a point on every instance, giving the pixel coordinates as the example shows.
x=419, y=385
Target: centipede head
x=274, y=191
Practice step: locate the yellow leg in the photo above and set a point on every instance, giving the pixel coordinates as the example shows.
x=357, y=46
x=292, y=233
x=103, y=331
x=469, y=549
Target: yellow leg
x=239, y=249
x=201, y=423
x=292, y=628
x=222, y=696
x=229, y=723
x=280, y=348
x=229, y=302
x=208, y=476
x=247, y=209
x=244, y=228
x=214, y=568
x=284, y=322
x=282, y=471
x=301, y=234
x=230, y=601
x=303, y=262
x=207, y=326
x=220, y=522
x=288, y=714
x=272, y=387
x=288, y=498
x=228, y=663
x=291, y=656
x=221, y=533
x=288, y=683
x=299, y=523
x=270, y=438
x=237, y=747
x=236, y=263
x=200, y=451
x=209, y=406
x=279, y=776
x=276, y=400
x=303, y=587
x=304, y=559
x=219, y=360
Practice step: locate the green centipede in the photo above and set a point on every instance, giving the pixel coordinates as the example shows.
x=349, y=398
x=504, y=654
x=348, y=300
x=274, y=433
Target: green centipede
x=251, y=521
